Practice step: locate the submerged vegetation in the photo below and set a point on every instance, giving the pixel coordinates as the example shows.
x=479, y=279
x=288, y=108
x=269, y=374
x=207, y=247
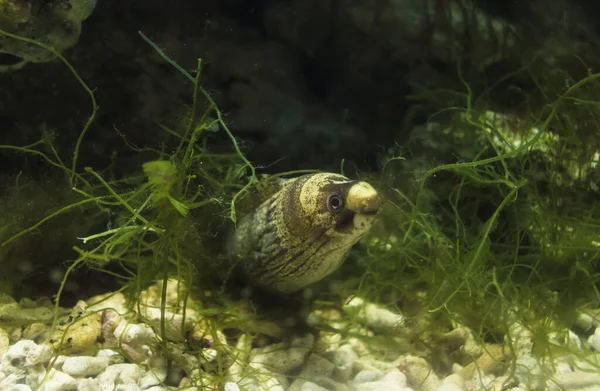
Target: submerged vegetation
x=505, y=234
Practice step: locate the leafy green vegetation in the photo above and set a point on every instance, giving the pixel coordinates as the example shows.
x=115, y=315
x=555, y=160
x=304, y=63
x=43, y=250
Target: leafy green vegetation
x=504, y=233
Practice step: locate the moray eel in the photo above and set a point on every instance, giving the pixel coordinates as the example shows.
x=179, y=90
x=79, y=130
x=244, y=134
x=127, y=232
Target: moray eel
x=304, y=231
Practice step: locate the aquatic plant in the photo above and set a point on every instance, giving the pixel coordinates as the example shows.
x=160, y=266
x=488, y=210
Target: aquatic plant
x=503, y=233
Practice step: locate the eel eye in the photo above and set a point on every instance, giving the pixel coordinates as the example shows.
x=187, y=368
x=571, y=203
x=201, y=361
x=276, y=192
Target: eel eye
x=335, y=203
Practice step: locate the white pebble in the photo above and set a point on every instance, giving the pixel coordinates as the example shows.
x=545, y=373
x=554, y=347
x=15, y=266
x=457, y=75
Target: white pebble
x=316, y=367
x=396, y=378
x=157, y=373
x=365, y=376
x=119, y=374
x=128, y=387
x=566, y=338
x=14, y=358
x=577, y=380
x=310, y=386
x=279, y=358
x=529, y=371
x=88, y=384
x=594, y=340
x=82, y=366
x=114, y=357
x=4, y=341
x=343, y=360
x=584, y=322
x=453, y=382
x=56, y=381
x=173, y=327
x=376, y=317
x=231, y=386
x=40, y=354
x=135, y=334
x=366, y=381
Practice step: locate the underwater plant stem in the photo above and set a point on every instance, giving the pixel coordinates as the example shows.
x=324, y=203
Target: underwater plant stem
x=212, y=106
x=42, y=221
x=26, y=149
x=193, y=115
x=63, y=283
x=81, y=82
x=118, y=197
x=165, y=57
x=163, y=304
x=112, y=231
x=490, y=224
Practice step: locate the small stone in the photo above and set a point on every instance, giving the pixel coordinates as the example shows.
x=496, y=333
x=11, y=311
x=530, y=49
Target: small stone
x=10, y=380
x=367, y=381
x=418, y=371
x=114, y=357
x=310, y=386
x=128, y=387
x=137, y=340
x=365, y=376
x=135, y=334
x=115, y=302
x=376, y=317
x=456, y=367
x=79, y=335
x=39, y=354
x=201, y=335
x=453, y=382
x=34, y=331
x=119, y=374
x=500, y=384
x=594, y=340
x=56, y=381
x=584, y=322
x=522, y=339
x=110, y=319
x=280, y=358
x=176, y=325
x=23, y=354
x=528, y=371
x=344, y=359
x=316, y=368
x=493, y=361
x=262, y=380
x=577, y=380
x=156, y=374
x=82, y=366
x=566, y=338
x=396, y=378
x=4, y=341
x=231, y=386
x=88, y=384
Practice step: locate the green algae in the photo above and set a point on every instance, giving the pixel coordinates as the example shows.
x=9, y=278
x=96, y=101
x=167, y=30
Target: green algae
x=505, y=234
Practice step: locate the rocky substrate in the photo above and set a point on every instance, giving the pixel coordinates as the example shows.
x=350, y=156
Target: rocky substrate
x=107, y=344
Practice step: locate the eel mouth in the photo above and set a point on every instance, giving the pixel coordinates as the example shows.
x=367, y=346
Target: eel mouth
x=363, y=199
x=356, y=222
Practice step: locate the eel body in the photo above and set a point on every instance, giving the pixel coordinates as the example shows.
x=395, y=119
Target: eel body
x=304, y=231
